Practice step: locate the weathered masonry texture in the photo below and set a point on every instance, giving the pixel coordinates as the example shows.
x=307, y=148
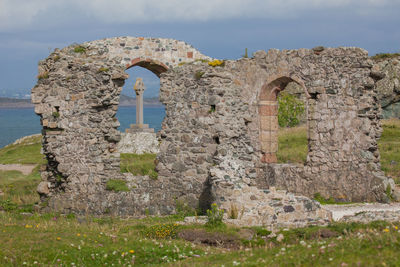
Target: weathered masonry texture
x=219, y=134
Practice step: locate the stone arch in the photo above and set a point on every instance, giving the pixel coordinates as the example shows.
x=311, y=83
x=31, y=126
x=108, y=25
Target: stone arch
x=268, y=112
x=152, y=65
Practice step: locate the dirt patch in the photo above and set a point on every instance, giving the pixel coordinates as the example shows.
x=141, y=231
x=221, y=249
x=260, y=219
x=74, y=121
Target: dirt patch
x=200, y=236
x=324, y=233
x=25, y=169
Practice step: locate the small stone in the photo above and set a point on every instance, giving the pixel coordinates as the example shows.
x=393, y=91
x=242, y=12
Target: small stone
x=43, y=188
x=280, y=238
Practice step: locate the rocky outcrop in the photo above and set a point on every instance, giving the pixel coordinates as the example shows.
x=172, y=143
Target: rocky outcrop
x=388, y=88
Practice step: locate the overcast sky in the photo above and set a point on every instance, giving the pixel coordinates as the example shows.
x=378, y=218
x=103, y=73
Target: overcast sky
x=31, y=29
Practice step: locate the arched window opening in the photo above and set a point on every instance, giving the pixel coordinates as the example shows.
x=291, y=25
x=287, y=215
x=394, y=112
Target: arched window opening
x=153, y=111
x=283, y=134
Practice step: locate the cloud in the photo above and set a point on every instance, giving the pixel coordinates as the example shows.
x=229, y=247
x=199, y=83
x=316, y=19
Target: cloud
x=25, y=14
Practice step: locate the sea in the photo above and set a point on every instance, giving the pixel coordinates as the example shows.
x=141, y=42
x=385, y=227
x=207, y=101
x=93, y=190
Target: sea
x=19, y=122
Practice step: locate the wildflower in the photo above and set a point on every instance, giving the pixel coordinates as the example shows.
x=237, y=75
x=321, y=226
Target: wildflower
x=386, y=230
x=131, y=251
x=58, y=238
x=78, y=234
x=396, y=227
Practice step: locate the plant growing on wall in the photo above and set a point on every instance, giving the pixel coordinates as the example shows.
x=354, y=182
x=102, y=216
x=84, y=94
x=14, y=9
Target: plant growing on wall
x=290, y=109
x=216, y=62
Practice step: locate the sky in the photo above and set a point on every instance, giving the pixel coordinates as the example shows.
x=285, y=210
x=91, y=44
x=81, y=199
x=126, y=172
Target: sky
x=31, y=29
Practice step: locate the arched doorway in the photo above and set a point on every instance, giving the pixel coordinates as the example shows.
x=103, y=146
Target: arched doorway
x=268, y=112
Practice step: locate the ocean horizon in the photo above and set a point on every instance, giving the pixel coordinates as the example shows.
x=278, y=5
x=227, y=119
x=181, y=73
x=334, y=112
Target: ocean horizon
x=19, y=122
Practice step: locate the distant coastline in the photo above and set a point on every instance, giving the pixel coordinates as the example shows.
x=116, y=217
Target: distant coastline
x=6, y=102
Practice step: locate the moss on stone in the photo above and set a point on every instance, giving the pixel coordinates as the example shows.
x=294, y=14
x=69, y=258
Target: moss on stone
x=117, y=185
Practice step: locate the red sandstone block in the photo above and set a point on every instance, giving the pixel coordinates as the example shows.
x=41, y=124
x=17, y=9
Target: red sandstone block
x=268, y=110
x=269, y=158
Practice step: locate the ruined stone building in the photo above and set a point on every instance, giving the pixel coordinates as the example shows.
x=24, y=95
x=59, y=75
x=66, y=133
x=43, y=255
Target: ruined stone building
x=219, y=135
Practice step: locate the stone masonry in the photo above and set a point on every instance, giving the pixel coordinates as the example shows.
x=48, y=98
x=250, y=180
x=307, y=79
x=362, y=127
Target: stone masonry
x=218, y=139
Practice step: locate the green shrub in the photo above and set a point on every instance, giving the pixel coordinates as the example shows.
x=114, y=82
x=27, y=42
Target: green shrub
x=80, y=49
x=117, y=185
x=198, y=75
x=215, y=216
x=212, y=109
x=43, y=75
x=289, y=110
x=389, y=192
x=8, y=205
x=56, y=114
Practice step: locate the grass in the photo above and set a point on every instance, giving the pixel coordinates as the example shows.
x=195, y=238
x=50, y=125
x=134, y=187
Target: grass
x=117, y=185
x=386, y=55
x=139, y=164
x=18, y=188
x=389, y=148
x=28, y=152
x=51, y=239
x=292, y=145
x=79, y=49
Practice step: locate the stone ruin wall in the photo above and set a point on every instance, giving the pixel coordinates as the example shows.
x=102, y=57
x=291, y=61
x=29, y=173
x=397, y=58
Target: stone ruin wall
x=211, y=147
x=343, y=123
x=77, y=97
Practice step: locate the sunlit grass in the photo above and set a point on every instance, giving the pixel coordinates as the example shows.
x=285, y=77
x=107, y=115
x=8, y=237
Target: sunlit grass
x=292, y=145
x=53, y=239
x=19, y=188
x=28, y=152
x=143, y=164
x=389, y=148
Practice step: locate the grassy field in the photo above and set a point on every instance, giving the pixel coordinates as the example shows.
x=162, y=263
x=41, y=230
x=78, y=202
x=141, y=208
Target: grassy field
x=19, y=189
x=28, y=152
x=54, y=240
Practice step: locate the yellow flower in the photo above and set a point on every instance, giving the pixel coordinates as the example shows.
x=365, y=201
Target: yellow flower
x=386, y=230
x=58, y=238
x=396, y=227
x=215, y=63
x=78, y=234
x=131, y=251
